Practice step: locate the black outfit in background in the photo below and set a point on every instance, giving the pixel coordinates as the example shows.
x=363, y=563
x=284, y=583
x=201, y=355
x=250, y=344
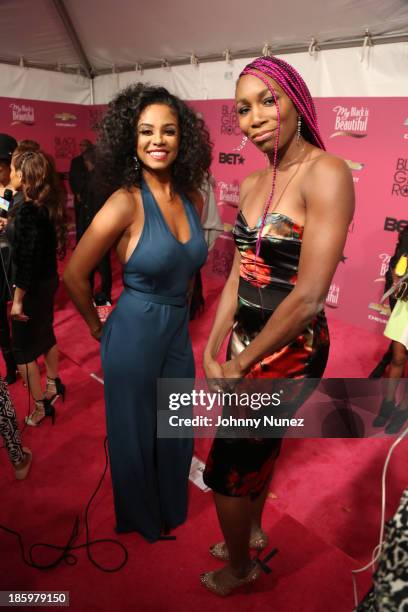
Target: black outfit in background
x=93, y=197
x=400, y=249
x=5, y=296
x=34, y=267
x=77, y=181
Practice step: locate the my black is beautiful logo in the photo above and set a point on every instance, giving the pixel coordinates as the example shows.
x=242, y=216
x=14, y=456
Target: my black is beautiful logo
x=22, y=114
x=350, y=121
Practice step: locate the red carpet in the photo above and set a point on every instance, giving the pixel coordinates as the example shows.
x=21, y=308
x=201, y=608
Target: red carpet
x=322, y=513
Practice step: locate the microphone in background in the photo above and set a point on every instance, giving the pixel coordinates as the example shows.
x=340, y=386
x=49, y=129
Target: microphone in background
x=5, y=202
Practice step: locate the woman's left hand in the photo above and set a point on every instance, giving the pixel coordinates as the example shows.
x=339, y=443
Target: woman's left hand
x=17, y=312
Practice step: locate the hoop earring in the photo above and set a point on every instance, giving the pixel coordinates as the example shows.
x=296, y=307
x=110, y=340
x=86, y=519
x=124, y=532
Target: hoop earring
x=136, y=164
x=242, y=144
x=299, y=129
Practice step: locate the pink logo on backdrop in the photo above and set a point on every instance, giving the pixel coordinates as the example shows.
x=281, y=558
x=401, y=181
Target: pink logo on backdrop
x=22, y=114
x=405, y=124
x=357, y=166
x=400, y=185
x=333, y=296
x=229, y=120
x=222, y=256
x=384, y=265
x=382, y=310
x=233, y=159
x=228, y=201
x=350, y=121
x=65, y=148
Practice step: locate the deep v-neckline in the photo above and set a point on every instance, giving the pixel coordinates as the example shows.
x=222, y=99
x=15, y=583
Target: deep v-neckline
x=163, y=218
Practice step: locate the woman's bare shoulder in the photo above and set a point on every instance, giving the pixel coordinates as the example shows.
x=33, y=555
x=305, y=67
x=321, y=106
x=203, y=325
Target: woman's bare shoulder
x=324, y=162
x=122, y=202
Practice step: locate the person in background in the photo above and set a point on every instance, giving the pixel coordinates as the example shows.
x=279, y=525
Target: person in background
x=36, y=231
x=7, y=146
x=28, y=145
x=77, y=181
x=93, y=196
x=212, y=227
x=20, y=456
x=397, y=330
x=401, y=247
x=211, y=220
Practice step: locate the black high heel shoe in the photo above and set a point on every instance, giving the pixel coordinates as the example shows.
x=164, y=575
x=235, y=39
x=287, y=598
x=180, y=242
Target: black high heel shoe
x=387, y=409
x=43, y=409
x=56, y=388
x=398, y=419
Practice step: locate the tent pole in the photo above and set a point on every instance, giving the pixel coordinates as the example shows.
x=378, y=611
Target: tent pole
x=73, y=36
x=91, y=87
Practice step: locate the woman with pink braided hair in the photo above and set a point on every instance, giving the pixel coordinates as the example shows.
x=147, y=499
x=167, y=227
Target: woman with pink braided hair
x=290, y=233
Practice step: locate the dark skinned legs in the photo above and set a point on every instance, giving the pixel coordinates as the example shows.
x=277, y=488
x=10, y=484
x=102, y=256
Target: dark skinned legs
x=396, y=371
x=238, y=518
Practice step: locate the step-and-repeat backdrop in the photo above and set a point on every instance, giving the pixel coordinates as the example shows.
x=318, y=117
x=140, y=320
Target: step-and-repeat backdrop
x=370, y=133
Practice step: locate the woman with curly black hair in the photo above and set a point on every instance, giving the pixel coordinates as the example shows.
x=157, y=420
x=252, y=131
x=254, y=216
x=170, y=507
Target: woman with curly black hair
x=155, y=152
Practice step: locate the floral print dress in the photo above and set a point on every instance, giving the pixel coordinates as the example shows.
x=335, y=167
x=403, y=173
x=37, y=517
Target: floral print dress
x=242, y=466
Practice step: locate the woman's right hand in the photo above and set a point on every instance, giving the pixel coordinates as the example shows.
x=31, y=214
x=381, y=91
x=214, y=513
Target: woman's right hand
x=212, y=368
x=213, y=373
x=3, y=224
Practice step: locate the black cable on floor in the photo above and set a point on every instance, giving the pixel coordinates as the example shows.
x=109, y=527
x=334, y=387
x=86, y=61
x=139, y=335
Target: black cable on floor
x=67, y=551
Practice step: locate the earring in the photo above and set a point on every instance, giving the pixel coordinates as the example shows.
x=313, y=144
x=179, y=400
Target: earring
x=136, y=164
x=299, y=129
x=242, y=145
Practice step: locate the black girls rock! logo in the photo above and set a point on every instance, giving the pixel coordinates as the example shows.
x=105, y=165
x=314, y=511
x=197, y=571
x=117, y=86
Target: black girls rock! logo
x=229, y=120
x=400, y=184
x=64, y=148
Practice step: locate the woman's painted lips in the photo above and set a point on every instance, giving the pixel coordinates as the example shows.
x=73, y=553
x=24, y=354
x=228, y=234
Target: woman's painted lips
x=263, y=136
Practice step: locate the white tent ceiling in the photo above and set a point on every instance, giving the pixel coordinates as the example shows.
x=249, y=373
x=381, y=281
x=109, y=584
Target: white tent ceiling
x=96, y=36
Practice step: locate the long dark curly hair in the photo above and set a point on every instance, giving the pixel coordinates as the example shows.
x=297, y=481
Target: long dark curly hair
x=117, y=140
x=40, y=184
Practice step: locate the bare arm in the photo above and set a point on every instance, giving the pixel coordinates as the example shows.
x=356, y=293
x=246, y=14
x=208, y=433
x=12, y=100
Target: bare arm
x=224, y=318
x=329, y=196
x=17, y=311
x=106, y=228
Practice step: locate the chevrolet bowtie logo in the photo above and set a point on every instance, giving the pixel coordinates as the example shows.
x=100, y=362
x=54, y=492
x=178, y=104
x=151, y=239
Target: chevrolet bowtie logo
x=65, y=117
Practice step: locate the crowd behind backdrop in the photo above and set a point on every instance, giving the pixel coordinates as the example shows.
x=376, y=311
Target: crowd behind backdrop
x=370, y=133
